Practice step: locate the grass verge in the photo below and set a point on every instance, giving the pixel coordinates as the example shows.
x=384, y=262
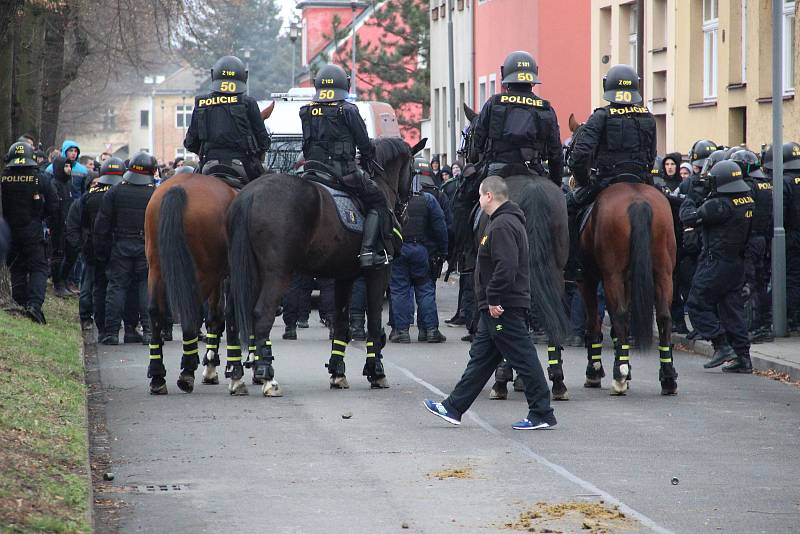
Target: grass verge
x=44, y=484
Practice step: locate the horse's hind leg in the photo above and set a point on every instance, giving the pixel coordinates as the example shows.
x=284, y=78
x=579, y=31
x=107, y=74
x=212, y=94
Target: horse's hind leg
x=341, y=334
x=555, y=371
x=616, y=300
x=234, y=370
x=667, y=374
x=214, y=326
x=156, y=307
x=376, y=281
x=594, y=335
x=274, y=284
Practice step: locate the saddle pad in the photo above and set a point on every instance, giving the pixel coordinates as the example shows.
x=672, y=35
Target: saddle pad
x=350, y=215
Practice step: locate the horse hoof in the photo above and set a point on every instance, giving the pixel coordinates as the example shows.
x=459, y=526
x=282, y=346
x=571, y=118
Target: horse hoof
x=339, y=382
x=379, y=383
x=669, y=387
x=210, y=378
x=272, y=389
x=519, y=385
x=560, y=392
x=498, y=392
x=186, y=383
x=592, y=383
x=257, y=381
x=159, y=389
x=237, y=388
x=619, y=387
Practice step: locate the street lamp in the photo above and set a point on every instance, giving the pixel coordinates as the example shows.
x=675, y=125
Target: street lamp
x=247, y=50
x=294, y=33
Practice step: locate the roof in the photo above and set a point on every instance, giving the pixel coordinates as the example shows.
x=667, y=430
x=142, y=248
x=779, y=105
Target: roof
x=183, y=80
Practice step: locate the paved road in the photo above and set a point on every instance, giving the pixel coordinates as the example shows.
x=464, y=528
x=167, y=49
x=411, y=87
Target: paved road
x=294, y=464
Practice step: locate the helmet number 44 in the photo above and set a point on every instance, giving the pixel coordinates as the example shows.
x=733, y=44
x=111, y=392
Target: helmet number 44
x=227, y=86
x=623, y=96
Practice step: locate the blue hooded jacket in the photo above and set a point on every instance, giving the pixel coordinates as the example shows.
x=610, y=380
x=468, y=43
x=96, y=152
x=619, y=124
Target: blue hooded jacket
x=79, y=172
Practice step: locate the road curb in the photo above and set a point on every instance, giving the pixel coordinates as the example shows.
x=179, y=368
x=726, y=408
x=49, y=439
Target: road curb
x=761, y=362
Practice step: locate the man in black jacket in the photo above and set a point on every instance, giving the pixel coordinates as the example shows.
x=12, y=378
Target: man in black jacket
x=503, y=295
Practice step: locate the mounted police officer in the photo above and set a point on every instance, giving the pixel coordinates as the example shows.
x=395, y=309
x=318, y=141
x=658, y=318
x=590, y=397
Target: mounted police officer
x=517, y=128
x=118, y=241
x=617, y=140
x=226, y=128
x=332, y=130
x=716, y=301
x=758, y=266
x=26, y=199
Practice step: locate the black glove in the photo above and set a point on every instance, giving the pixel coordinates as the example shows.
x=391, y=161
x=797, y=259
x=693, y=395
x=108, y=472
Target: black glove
x=436, y=262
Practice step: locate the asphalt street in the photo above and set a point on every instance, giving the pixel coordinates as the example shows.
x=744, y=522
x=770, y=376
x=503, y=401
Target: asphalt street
x=209, y=462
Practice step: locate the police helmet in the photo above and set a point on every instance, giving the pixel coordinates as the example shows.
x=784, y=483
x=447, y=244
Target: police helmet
x=332, y=83
x=519, y=67
x=228, y=75
x=185, y=169
x=726, y=177
x=712, y=159
x=621, y=85
x=748, y=162
x=700, y=151
x=111, y=171
x=655, y=170
x=421, y=167
x=141, y=169
x=791, y=157
x=20, y=155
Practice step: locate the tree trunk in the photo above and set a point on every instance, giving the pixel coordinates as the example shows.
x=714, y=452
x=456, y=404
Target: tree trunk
x=29, y=60
x=53, y=79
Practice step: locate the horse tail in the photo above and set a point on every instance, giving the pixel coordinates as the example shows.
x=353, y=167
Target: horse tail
x=640, y=216
x=243, y=285
x=177, y=264
x=546, y=277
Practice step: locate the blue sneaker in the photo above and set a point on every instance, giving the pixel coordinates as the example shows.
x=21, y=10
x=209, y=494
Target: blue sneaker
x=437, y=408
x=534, y=424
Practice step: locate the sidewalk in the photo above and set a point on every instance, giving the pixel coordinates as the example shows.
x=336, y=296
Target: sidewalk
x=782, y=355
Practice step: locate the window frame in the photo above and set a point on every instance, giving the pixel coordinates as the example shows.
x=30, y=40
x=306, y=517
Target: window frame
x=186, y=113
x=744, y=41
x=144, y=114
x=788, y=48
x=492, y=85
x=710, y=52
x=633, y=34
x=482, y=90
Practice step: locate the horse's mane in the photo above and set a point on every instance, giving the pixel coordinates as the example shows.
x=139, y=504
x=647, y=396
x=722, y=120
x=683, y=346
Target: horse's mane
x=389, y=148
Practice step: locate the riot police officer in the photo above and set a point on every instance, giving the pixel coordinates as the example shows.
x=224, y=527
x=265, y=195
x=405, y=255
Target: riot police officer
x=757, y=257
x=716, y=302
x=332, y=130
x=26, y=199
x=518, y=128
x=226, y=126
x=118, y=240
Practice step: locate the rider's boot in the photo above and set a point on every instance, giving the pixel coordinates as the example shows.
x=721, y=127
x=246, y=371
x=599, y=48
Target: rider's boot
x=370, y=257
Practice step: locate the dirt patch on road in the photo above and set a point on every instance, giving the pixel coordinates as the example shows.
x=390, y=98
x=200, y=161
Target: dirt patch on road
x=772, y=374
x=455, y=472
x=592, y=518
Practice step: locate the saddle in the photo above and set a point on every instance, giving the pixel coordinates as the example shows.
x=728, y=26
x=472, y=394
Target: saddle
x=349, y=208
x=584, y=213
x=232, y=173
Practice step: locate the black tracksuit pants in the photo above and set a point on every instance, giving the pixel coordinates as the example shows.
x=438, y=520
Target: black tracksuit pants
x=505, y=337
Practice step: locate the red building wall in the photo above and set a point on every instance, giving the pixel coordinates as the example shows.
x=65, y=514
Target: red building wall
x=556, y=32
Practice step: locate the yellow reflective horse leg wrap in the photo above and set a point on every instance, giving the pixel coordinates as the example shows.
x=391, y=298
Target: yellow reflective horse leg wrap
x=595, y=352
x=665, y=354
x=371, y=349
x=190, y=347
x=252, y=346
x=338, y=347
x=553, y=355
x=155, y=351
x=212, y=342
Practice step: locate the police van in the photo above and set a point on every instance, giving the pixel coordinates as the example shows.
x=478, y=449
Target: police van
x=286, y=151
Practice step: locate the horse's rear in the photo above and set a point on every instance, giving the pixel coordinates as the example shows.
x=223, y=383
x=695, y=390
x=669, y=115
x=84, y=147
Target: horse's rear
x=186, y=248
x=629, y=246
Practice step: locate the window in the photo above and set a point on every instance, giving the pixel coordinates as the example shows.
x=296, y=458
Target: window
x=481, y=90
x=633, y=31
x=744, y=41
x=109, y=119
x=435, y=14
x=788, y=47
x=181, y=152
x=144, y=118
x=183, y=115
x=434, y=112
x=710, y=52
x=492, y=84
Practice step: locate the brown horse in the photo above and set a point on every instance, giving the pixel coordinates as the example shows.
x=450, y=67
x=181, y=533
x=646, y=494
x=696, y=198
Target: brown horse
x=628, y=244
x=187, y=255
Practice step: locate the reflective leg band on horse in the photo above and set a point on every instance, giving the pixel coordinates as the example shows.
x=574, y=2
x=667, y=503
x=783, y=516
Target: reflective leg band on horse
x=554, y=370
x=622, y=358
x=190, y=359
x=263, y=360
x=212, y=347
x=665, y=354
x=594, y=369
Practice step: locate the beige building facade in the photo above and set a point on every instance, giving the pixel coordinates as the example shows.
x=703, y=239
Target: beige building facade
x=707, y=66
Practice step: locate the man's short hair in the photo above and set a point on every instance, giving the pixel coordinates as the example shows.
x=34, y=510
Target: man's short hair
x=496, y=186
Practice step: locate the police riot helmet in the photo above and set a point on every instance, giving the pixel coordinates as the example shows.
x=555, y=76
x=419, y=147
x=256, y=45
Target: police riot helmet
x=655, y=170
x=748, y=162
x=20, y=155
x=700, y=151
x=621, y=85
x=726, y=177
x=229, y=76
x=791, y=157
x=111, y=171
x=185, y=169
x=141, y=169
x=519, y=67
x=332, y=84
x=712, y=159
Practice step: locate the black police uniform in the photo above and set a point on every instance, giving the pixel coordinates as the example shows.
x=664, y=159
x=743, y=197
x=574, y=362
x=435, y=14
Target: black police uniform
x=27, y=199
x=519, y=127
x=791, y=211
x=118, y=240
x=758, y=267
x=227, y=127
x=716, y=303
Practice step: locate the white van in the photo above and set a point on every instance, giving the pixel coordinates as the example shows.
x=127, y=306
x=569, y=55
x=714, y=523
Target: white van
x=286, y=151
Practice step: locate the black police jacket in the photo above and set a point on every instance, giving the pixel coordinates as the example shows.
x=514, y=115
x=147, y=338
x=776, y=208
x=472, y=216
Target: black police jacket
x=791, y=203
x=725, y=221
x=762, y=213
x=616, y=139
x=120, y=220
x=90, y=207
x=226, y=126
x=331, y=133
x=516, y=127
x=27, y=197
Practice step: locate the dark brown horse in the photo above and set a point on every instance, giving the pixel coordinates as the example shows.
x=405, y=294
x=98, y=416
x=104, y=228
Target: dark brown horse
x=187, y=255
x=285, y=224
x=628, y=244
